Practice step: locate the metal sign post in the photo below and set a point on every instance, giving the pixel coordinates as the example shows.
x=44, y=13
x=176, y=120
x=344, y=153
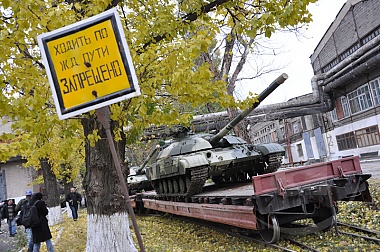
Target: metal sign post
x=89, y=67
x=103, y=115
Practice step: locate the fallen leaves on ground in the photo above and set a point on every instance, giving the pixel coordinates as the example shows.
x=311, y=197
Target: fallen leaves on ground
x=164, y=233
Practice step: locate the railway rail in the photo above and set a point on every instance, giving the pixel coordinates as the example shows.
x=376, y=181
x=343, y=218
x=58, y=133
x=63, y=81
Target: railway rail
x=360, y=230
x=248, y=237
x=272, y=200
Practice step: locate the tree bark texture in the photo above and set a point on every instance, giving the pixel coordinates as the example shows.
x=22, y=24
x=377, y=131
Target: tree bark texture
x=241, y=128
x=51, y=191
x=105, y=200
x=50, y=184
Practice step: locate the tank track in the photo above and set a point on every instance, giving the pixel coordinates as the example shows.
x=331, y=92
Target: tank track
x=274, y=162
x=199, y=176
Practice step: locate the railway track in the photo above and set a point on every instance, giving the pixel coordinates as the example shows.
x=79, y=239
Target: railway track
x=248, y=235
x=311, y=240
x=348, y=235
x=370, y=233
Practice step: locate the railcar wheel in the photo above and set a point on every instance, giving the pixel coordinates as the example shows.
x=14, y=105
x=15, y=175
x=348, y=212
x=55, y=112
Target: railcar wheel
x=324, y=220
x=182, y=185
x=175, y=186
x=269, y=228
x=170, y=185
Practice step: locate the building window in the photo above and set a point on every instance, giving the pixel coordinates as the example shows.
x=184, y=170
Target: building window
x=350, y=51
x=282, y=129
x=375, y=87
x=334, y=115
x=345, y=106
x=346, y=141
x=360, y=99
x=371, y=36
x=274, y=135
x=295, y=128
x=299, y=150
x=368, y=136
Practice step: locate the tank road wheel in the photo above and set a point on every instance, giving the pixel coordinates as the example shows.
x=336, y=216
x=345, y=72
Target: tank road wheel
x=156, y=187
x=165, y=186
x=182, y=185
x=175, y=186
x=170, y=185
x=160, y=186
x=269, y=228
x=188, y=183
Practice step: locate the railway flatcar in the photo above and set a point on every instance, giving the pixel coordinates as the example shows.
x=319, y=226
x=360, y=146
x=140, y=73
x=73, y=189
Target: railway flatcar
x=271, y=201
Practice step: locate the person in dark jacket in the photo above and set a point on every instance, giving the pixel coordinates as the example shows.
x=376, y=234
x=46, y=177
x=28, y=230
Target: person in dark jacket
x=41, y=233
x=9, y=212
x=73, y=198
x=20, y=207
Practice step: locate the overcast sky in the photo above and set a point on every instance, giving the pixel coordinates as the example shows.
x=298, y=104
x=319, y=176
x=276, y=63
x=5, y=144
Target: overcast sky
x=295, y=55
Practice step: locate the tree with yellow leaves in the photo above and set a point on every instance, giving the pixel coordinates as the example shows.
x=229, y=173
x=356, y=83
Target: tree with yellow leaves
x=165, y=39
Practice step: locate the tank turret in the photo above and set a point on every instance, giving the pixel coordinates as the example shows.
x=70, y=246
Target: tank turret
x=137, y=180
x=183, y=166
x=140, y=170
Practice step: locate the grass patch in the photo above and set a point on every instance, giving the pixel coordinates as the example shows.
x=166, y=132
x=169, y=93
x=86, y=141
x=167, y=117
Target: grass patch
x=163, y=233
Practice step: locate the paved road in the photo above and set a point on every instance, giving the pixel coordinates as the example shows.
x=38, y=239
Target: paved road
x=7, y=243
x=371, y=166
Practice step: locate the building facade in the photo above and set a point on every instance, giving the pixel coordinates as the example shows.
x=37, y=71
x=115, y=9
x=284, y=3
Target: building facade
x=15, y=179
x=350, y=49
x=346, y=64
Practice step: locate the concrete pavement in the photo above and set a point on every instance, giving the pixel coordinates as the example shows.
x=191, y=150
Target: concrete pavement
x=371, y=166
x=7, y=243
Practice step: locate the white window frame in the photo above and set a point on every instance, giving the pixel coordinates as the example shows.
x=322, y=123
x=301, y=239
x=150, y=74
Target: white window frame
x=295, y=127
x=345, y=106
x=334, y=115
x=282, y=129
x=375, y=89
x=360, y=99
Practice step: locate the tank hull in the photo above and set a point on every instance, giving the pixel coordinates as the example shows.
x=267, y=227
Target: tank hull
x=178, y=174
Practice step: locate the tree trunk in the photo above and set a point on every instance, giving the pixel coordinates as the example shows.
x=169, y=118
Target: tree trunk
x=241, y=128
x=108, y=223
x=51, y=190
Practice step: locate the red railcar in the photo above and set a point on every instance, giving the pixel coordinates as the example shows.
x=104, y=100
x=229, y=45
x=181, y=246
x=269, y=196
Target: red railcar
x=273, y=200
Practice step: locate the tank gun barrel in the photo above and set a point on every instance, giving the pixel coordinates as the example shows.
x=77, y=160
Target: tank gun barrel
x=243, y=114
x=147, y=159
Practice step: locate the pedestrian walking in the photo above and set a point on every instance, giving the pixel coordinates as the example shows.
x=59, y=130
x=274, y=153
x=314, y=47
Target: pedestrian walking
x=9, y=212
x=21, y=206
x=41, y=233
x=74, y=198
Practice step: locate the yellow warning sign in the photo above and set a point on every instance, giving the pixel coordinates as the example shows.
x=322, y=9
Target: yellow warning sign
x=88, y=64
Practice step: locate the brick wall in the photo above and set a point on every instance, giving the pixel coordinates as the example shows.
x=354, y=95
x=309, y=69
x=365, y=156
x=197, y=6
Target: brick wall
x=355, y=23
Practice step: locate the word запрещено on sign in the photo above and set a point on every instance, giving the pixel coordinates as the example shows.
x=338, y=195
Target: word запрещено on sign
x=88, y=64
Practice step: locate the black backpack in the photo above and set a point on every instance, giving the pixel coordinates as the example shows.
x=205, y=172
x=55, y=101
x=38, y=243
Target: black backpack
x=23, y=207
x=29, y=216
